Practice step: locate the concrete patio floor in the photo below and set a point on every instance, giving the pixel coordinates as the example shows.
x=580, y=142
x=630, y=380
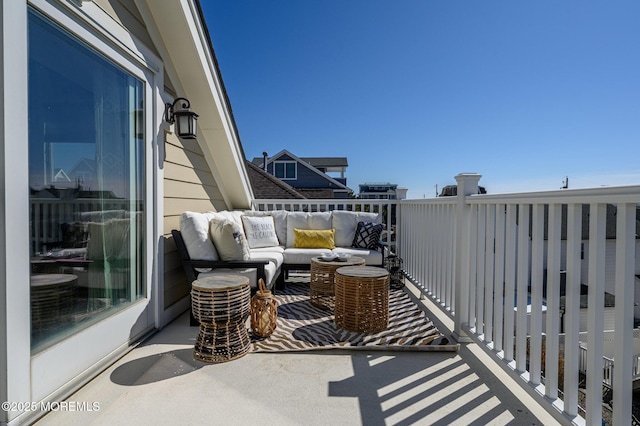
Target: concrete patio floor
x=159, y=383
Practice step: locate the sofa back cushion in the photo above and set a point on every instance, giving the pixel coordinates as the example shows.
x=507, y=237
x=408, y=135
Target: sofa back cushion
x=279, y=220
x=194, y=228
x=229, y=239
x=345, y=224
x=303, y=220
x=260, y=231
x=308, y=238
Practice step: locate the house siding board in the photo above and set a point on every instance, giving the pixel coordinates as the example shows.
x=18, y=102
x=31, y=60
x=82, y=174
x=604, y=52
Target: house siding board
x=127, y=14
x=307, y=178
x=182, y=156
x=188, y=186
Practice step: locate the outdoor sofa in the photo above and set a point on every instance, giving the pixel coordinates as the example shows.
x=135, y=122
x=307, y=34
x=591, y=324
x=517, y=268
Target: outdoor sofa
x=269, y=244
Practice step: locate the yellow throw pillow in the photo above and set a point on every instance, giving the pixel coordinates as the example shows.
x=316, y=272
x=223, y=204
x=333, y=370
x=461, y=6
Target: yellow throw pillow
x=313, y=238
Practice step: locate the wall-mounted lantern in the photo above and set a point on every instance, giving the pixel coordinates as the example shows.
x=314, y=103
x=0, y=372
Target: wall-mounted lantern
x=185, y=119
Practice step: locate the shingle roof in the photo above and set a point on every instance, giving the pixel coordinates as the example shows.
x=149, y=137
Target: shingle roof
x=266, y=186
x=315, y=161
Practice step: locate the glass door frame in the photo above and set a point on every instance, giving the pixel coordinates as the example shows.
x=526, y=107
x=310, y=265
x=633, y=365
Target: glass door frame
x=54, y=368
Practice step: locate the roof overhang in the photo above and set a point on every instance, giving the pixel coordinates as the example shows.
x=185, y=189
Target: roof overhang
x=190, y=61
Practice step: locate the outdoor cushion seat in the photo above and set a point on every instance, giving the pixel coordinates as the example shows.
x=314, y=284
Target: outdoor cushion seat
x=371, y=257
x=270, y=271
x=294, y=256
x=274, y=256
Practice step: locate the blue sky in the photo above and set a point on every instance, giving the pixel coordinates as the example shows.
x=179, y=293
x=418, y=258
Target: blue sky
x=414, y=92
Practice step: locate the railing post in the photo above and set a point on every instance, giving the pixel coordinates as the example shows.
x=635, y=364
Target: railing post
x=467, y=185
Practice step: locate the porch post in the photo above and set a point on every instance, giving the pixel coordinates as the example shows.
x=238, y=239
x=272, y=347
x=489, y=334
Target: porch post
x=467, y=185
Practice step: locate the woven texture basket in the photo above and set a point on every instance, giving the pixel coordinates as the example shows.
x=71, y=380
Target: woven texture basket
x=221, y=304
x=264, y=312
x=362, y=298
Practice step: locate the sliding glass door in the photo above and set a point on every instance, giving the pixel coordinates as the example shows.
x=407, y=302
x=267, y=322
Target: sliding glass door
x=87, y=184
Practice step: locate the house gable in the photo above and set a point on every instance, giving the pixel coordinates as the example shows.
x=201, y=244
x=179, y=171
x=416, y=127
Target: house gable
x=306, y=176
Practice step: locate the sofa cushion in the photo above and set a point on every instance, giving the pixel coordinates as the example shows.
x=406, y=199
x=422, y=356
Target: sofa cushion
x=367, y=235
x=234, y=216
x=346, y=222
x=371, y=257
x=275, y=256
x=279, y=219
x=311, y=238
x=260, y=231
x=194, y=228
x=303, y=220
x=276, y=249
x=302, y=256
x=228, y=239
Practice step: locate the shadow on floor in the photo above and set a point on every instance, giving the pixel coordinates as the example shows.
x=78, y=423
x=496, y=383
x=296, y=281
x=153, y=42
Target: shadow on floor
x=437, y=389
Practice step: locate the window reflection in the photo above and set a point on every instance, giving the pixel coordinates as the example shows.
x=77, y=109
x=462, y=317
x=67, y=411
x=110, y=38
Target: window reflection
x=86, y=177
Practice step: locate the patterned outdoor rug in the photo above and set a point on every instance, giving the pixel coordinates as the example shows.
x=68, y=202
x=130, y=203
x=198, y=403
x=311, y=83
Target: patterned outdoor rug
x=302, y=326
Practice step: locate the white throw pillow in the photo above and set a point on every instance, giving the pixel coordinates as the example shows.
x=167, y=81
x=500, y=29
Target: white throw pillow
x=229, y=240
x=194, y=228
x=279, y=219
x=260, y=231
x=232, y=215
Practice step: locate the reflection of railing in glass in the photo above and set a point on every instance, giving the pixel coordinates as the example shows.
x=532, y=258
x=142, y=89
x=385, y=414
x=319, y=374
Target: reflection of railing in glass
x=101, y=250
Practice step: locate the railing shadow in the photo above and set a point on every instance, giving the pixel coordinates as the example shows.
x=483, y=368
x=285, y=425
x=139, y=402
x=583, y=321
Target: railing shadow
x=429, y=388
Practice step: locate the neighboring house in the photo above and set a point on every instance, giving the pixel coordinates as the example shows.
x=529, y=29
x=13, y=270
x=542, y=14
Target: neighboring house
x=86, y=83
x=84, y=172
x=381, y=191
x=308, y=175
x=266, y=186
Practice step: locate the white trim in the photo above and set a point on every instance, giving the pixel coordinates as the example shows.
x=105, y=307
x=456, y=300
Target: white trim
x=97, y=36
x=14, y=224
x=118, y=36
x=186, y=53
x=285, y=162
x=52, y=373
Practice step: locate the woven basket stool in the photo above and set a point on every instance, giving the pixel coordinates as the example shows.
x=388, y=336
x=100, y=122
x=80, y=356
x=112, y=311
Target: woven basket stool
x=362, y=298
x=264, y=312
x=221, y=305
x=322, y=280
x=52, y=299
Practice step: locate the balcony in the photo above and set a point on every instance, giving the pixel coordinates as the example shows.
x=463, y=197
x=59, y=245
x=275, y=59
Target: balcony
x=160, y=383
x=467, y=255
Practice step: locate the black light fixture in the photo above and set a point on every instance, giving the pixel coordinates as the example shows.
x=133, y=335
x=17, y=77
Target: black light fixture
x=185, y=119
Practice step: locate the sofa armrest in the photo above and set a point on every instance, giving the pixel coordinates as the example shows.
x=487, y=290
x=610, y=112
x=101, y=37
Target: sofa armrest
x=190, y=265
x=231, y=264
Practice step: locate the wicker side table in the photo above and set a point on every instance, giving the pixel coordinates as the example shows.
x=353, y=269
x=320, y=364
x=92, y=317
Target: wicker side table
x=52, y=299
x=322, y=284
x=362, y=298
x=221, y=304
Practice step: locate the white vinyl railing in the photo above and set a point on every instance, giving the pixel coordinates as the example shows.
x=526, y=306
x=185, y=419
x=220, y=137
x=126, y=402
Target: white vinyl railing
x=47, y=216
x=494, y=263
x=386, y=209
x=488, y=260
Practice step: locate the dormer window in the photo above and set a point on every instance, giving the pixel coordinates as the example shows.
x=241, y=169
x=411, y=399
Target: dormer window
x=285, y=169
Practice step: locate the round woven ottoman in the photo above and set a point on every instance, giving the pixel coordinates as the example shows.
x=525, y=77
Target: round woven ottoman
x=221, y=304
x=322, y=279
x=362, y=298
x=52, y=299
